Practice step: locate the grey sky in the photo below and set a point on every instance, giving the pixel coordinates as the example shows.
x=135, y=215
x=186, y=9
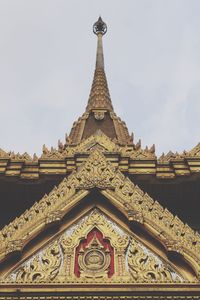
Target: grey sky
x=47, y=58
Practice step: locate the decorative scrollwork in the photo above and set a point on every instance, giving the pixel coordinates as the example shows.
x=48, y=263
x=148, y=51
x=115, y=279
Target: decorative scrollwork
x=90, y=245
x=94, y=260
x=42, y=267
x=146, y=267
x=137, y=206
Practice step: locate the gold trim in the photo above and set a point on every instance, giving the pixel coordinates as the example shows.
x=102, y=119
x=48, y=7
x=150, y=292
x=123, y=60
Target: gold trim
x=134, y=204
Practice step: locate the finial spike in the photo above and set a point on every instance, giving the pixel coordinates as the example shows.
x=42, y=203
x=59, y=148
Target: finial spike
x=100, y=28
x=99, y=95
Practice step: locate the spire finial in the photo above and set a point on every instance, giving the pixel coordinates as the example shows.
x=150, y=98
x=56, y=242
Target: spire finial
x=99, y=98
x=100, y=27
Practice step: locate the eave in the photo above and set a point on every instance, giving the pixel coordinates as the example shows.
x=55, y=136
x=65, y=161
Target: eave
x=21, y=169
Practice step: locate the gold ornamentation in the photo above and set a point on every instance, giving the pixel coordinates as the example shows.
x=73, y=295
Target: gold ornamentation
x=55, y=216
x=170, y=156
x=56, y=262
x=94, y=260
x=133, y=151
x=99, y=96
x=148, y=268
x=42, y=267
x=100, y=102
x=98, y=172
x=195, y=152
x=14, y=246
x=52, y=154
x=97, y=138
x=15, y=156
x=95, y=173
x=4, y=154
x=123, y=137
x=99, y=114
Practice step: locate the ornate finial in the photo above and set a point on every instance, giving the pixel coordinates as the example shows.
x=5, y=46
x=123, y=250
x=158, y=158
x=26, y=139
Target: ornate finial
x=100, y=27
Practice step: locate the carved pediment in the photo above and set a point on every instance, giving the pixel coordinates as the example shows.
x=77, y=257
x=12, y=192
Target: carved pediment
x=137, y=206
x=94, y=249
x=98, y=138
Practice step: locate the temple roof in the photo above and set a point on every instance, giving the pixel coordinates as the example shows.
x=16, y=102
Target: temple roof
x=99, y=113
x=98, y=208
x=136, y=206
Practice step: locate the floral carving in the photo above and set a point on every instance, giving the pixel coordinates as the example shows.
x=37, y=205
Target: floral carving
x=137, y=206
x=108, y=244
x=145, y=267
x=42, y=267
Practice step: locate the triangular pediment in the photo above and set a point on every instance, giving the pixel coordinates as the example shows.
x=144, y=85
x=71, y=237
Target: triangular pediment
x=94, y=249
x=136, y=206
x=98, y=140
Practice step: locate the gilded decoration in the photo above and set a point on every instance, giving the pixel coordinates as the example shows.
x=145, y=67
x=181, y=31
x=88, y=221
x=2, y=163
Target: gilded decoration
x=94, y=249
x=136, y=205
x=195, y=152
x=3, y=154
x=170, y=156
x=16, y=156
x=107, y=145
x=67, y=157
x=121, y=143
x=86, y=146
x=133, y=151
x=98, y=138
x=99, y=114
x=94, y=260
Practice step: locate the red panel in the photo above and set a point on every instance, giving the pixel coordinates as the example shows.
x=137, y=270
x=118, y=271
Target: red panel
x=105, y=243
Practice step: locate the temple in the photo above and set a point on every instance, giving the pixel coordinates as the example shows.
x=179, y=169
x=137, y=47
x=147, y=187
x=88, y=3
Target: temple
x=99, y=217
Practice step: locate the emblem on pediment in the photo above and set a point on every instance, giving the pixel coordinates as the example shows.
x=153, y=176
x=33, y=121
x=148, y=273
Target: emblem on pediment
x=94, y=259
x=94, y=249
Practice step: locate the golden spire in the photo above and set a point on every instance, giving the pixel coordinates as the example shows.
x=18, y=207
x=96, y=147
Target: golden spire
x=99, y=114
x=99, y=96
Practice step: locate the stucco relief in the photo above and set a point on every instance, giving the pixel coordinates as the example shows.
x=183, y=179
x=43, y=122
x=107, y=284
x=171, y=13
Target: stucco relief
x=94, y=249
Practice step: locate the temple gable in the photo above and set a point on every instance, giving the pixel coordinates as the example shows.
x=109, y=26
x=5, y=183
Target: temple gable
x=136, y=206
x=94, y=249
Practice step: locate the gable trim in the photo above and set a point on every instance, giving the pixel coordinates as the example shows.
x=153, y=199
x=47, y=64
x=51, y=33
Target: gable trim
x=136, y=205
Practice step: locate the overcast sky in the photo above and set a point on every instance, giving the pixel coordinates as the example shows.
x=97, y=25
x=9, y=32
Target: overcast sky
x=152, y=61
